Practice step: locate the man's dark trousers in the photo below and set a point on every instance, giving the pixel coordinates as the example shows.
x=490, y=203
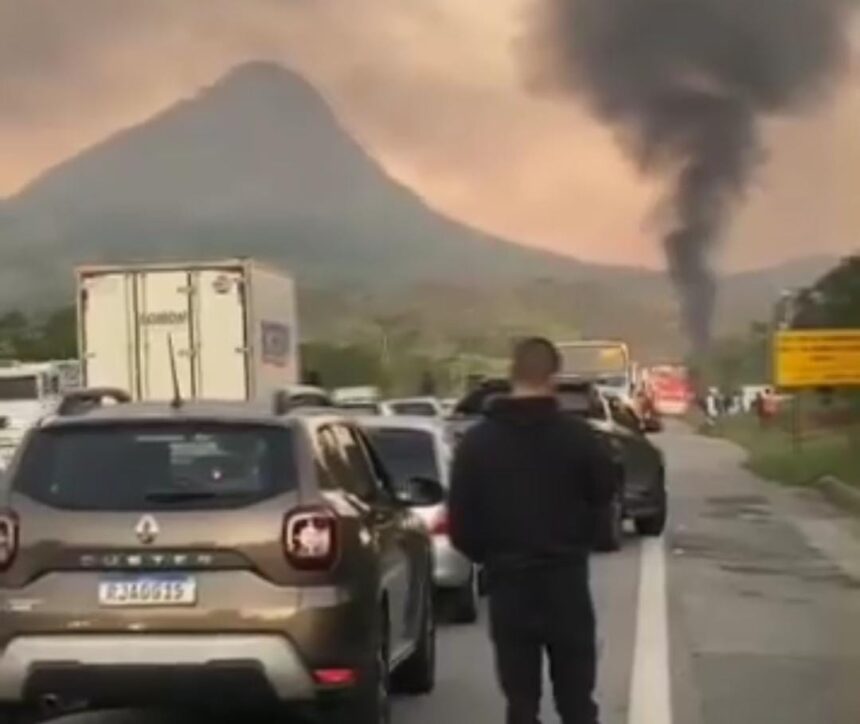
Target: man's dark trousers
x=545, y=608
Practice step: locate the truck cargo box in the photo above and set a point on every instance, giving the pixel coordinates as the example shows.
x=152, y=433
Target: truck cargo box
x=232, y=324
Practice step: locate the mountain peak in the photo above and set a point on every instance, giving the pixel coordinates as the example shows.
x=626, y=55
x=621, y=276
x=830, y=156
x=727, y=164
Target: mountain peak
x=256, y=164
x=264, y=81
x=261, y=70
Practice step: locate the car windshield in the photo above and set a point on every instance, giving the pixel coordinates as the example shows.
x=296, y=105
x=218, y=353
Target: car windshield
x=406, y=453
x=25, y=387
x=141, y=467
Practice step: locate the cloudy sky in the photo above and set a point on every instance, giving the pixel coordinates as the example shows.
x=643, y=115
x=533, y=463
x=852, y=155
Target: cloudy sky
x=436, y=89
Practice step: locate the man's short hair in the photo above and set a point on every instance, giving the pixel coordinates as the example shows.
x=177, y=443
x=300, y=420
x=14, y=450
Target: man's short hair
x=535, y=362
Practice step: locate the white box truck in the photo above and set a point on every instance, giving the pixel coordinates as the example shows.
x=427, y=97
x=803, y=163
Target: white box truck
x=233, y=327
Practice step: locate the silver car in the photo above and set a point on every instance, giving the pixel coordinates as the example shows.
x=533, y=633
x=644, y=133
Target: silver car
x=419, y=447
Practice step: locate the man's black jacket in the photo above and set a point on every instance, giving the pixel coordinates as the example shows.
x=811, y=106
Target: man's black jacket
x=526, y=484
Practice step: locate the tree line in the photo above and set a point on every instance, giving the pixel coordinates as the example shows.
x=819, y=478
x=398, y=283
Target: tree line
x=392, y=357
x=43, y=336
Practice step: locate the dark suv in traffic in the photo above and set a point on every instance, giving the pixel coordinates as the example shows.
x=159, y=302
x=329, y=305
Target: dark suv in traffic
x=210, y=554
x=640, y=472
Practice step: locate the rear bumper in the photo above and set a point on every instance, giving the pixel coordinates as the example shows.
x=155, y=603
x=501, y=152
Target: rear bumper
x=118, y=669
x=54, y=636
x=639, y=502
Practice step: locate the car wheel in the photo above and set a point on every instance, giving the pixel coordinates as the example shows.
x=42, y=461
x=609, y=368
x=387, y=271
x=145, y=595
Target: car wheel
x=610, y=526
x=371, y=704
x=465, y=601
x=417, y=675
x=653, y=525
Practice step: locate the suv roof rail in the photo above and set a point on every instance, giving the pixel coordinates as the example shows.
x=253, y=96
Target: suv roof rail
x=79, y=402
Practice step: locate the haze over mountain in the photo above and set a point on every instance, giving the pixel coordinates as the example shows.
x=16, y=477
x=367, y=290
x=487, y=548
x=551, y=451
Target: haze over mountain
x=258, y=165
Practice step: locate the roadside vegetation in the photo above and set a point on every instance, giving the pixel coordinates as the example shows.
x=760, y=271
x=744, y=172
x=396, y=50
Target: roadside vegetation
x=391, y=353
x=776, y=452
x=824, y=440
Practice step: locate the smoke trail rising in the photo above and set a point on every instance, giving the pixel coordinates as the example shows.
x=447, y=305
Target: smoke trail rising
x=687, y=83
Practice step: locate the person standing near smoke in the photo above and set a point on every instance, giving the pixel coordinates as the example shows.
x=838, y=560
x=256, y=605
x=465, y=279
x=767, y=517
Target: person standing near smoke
x=527, y=484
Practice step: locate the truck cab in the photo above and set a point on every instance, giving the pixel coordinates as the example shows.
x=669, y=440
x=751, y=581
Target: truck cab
x=28, y=392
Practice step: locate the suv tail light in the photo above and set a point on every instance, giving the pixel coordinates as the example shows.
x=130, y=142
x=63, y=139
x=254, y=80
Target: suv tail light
x=8, y=538
x=311, y=538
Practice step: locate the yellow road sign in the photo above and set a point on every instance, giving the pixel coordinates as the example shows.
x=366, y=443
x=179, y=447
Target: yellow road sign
x=817, y=358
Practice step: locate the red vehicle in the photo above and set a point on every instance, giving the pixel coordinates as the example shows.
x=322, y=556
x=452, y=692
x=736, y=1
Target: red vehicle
x=671, y=389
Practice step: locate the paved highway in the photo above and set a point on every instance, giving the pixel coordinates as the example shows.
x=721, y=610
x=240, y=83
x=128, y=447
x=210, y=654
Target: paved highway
x=747, y=613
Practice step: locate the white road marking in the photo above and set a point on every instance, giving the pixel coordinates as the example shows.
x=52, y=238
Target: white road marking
x=651, y=686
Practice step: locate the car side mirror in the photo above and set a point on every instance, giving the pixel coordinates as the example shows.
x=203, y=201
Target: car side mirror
x=421, y=492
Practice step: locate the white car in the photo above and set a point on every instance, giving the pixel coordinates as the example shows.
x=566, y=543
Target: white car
x=418, y=447
x=414, y=407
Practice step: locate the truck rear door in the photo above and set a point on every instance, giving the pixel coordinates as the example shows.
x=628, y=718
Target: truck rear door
x=108, y=330
x=164, y=313
x=222, y=345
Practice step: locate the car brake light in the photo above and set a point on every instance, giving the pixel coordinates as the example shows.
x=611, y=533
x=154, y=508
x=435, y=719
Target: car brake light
x=336, y=677
x=311, y=538
x=8, y=538
x=439, y=523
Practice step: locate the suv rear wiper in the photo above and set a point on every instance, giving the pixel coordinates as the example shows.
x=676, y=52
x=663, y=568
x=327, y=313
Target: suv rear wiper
x=179, y=496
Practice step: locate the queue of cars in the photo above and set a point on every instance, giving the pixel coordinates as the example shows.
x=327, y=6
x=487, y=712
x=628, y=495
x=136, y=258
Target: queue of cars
x=291, y=554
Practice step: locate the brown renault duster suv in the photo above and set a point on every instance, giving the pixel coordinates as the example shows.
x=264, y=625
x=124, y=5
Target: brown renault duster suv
x=209, y=554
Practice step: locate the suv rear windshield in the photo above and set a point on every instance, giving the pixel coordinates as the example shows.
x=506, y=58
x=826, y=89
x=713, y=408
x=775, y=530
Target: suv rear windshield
x=583, y=402
x=478, y=400
x=406, y=454
x=144, y=467
x=573, y=398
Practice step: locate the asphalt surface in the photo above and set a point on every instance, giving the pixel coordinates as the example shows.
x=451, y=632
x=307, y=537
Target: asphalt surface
x=758, y=620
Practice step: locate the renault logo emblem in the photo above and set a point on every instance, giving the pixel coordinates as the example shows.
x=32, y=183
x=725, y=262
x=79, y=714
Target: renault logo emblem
x=147, y=530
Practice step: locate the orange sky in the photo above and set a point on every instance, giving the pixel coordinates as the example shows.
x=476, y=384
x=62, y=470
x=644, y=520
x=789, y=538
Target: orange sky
x=435, y=90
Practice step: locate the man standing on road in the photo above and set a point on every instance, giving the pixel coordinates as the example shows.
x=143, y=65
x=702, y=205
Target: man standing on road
x=525, y=488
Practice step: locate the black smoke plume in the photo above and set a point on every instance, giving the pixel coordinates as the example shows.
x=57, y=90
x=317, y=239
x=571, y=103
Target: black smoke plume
x=687, y=83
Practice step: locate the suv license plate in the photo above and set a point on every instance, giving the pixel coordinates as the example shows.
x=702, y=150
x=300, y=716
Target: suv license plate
x=148, y=591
